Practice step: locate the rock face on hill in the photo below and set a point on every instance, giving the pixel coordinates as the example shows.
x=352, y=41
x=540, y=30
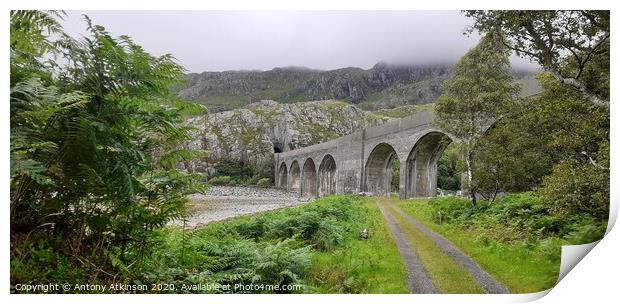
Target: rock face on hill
x=382, y=86
x=251, y=134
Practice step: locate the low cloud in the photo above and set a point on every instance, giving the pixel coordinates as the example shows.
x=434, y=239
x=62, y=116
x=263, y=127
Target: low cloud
x=245, y=40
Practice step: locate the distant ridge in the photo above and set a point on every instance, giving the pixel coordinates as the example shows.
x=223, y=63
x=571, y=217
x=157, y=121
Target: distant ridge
x=380, y=87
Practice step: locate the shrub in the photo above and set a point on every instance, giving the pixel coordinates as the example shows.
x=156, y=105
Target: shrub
x=577, y=188
x=522, y=216
x=279, y=264
x=220, y=259
x=328, y=236
x=322, y=225
x=244, y=172
x=234, y=168
x=448, y=209
x=253, y=228
x=264, y=182
x=220, y=180
x=522, y=207
x=585, y=229
x=272, y=248
x=41, y=264
x=251, y=181
x=96, y=141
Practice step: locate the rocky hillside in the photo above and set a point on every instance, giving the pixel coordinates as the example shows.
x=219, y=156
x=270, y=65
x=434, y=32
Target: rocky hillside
x=252, y=133
x=382, y=86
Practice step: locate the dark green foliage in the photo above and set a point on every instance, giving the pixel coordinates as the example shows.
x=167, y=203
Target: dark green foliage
x=239, y=172
x=316, y=225
x=95, y=149
x=579, y=138
x=512, y=156
x=556, y=144
x=233, y=168
x=222, y=180
x=448, y=175
x=264, y=182
x=518, y=217
x=272, y=248
x=577, y=188
x=229, y=260
x=40, y=263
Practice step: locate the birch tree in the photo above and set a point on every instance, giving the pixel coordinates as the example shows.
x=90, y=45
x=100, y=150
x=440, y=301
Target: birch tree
x=481, y=88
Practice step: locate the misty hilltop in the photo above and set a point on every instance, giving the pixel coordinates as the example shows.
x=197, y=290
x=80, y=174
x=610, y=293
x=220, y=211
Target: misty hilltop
x=382, y=86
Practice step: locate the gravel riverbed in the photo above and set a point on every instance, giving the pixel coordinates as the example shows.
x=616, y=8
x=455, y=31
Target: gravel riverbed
x=223, y=202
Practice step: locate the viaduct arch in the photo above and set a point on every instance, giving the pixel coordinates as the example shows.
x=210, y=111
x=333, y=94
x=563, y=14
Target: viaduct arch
x=361, y=162
x=327, y=176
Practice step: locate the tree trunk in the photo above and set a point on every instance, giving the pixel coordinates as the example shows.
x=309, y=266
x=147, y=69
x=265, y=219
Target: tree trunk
x=472, y=191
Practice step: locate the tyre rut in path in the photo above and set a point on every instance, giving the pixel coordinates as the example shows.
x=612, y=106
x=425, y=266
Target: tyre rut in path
x=418, y=279
x=486, y=281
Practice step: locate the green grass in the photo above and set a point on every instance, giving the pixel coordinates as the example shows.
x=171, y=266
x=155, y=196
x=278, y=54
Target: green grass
x=372, y=265
x=316, y=245
x=448, y=276
x=403, y=111
x=522, y=266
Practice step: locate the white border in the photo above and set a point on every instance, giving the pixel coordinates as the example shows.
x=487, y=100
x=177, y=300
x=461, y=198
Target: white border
x=593, y=279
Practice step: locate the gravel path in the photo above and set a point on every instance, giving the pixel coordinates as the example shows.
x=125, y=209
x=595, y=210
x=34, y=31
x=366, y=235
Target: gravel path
x=418, y=278
x=488, y=283
x=224, y=202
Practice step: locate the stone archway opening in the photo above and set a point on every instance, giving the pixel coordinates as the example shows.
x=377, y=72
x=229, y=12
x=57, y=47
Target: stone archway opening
x=327, y=176
x=282, y=176
x=308, y=176
x=421, y=175
x=448, y=174
x=394, y=168
x=378, y=171
x=295, y=176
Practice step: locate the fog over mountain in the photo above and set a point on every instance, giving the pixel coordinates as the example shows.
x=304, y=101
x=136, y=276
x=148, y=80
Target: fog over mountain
x=261, y=40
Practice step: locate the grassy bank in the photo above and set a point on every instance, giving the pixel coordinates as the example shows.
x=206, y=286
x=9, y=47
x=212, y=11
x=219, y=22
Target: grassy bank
x=372, y=265
x=316, y=246
x=524, y=261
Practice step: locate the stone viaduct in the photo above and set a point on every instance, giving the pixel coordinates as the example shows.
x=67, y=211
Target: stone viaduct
x=361, y=162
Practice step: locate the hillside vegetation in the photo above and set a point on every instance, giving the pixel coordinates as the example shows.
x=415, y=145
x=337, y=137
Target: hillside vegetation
x=383, y=86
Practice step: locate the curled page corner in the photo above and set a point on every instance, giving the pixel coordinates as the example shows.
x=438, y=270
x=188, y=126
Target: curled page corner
x=571, y=255
x=613, y=214
x=529, y=297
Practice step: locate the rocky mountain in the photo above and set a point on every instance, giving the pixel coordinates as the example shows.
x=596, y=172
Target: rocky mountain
x=382, y=86
x=243, y=129
x=252, y=133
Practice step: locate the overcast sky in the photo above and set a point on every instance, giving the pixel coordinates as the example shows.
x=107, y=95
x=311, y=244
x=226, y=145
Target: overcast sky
x=245, y=40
